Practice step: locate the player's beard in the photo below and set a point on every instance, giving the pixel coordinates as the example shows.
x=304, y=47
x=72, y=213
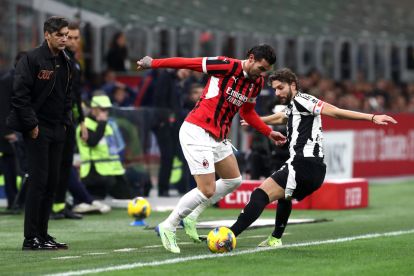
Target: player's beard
x=286, y=100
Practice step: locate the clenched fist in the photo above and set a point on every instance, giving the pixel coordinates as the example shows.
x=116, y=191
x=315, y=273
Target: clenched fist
x=144, y=63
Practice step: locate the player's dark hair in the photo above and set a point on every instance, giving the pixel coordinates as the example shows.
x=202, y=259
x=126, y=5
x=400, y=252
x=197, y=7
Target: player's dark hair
x=73, y=26
x=284, y=75
x=263, y=51
x=54, y=24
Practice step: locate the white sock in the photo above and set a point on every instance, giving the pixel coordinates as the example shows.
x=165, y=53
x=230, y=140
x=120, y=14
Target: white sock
x=185, y=206
x=223, y=187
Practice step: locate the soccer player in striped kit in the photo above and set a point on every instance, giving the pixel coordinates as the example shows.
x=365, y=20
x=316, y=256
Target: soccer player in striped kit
x=304, y=171
x=233, y=86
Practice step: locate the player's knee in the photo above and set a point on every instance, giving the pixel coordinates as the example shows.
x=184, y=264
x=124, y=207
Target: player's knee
x=272, y=189
x=233, y=183
x=208, y=191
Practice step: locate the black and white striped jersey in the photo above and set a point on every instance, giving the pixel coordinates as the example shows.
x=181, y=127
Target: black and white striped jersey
x=304, y=126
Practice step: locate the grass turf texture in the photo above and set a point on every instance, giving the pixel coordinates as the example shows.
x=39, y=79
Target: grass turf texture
x=391, y=208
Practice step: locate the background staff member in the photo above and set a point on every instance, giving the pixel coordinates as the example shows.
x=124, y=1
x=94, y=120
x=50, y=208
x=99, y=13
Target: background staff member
x=45, y=70
x=101, y=169
x=59, y=209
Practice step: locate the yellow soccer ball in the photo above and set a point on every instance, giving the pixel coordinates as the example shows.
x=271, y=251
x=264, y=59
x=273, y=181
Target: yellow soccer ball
x=221, y=240
x=139, y=208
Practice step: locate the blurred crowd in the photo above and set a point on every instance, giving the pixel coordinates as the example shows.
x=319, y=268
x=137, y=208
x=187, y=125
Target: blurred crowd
x=379, y=96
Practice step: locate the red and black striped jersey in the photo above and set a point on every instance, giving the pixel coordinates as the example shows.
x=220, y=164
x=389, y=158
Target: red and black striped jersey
x=227, y=91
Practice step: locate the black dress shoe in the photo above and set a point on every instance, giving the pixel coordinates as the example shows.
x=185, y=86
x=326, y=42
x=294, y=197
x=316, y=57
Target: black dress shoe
x=57, y=215
x=37, y=244
x=65, y=213
x=59, y=245
x=69, y=214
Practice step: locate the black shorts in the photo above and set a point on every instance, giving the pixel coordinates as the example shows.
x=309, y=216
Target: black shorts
x=307, y=172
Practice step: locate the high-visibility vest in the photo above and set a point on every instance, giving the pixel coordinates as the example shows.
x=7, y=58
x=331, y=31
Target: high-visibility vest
x=105, y=162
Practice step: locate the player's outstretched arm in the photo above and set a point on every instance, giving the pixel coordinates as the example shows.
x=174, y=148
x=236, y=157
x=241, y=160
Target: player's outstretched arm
x=277, y=118
x=147, y=62
x=339, y=113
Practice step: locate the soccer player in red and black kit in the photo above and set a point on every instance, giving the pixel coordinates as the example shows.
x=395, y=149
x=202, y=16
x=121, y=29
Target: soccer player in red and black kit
x=233, y=86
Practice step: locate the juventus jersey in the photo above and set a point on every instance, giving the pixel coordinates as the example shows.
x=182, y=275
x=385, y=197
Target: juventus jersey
x=304, y=126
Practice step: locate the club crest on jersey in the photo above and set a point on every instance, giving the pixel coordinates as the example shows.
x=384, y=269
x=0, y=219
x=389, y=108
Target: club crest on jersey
x=205, y=164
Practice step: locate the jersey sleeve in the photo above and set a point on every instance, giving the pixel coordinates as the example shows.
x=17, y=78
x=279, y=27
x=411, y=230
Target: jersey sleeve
x=310, y=103
x=194, y=64
x=217, y=65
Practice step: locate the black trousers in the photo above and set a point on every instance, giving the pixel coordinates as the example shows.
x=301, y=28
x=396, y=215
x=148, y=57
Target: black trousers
x=44, y=159
x=66, y=165
x=167, y=145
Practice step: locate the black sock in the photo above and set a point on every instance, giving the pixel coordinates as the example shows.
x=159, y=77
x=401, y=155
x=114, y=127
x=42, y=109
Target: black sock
x=284, y=208
x=258, y=201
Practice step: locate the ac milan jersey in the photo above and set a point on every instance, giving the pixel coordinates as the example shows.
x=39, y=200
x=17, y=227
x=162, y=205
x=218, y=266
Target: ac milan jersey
x=227, y=90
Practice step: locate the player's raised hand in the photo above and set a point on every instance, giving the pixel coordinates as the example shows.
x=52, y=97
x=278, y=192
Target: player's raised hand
x=277, y=137
x=144, y=63
x=383, y=119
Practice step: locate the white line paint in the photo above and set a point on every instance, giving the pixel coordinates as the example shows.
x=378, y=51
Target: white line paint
x=159, y=245
x=66, y=257
x=125, y=249
x=95, y=253
x=241, y=252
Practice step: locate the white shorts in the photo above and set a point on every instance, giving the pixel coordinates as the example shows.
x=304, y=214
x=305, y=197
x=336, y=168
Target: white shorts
x=201, y=150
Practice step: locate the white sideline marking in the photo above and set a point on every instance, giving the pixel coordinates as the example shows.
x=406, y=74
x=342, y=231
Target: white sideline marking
x=125, y=249
x=95, y=253
x=65, y=257
x=242, y=252
x=160, y=245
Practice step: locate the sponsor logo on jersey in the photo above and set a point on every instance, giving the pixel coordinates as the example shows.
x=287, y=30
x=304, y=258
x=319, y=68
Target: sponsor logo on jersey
x=44, y=74
x=235, y=97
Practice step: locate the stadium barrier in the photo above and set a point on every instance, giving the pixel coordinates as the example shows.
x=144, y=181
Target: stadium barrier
x=369, y=150
x=333, y=195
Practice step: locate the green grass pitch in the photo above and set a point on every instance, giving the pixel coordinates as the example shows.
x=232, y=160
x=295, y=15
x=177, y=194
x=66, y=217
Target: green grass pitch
x=106, y=244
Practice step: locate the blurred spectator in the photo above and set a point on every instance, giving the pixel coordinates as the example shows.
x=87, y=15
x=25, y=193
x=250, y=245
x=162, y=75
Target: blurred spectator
x=169, y=92
x=380, y=97
x=265, y=156
x=117, y=56
x=121, y=97
x=83, y=201
x=146, y=95
x=410, y=107
x=194, y=94
x=8, y=137
x=398, y=104
x=59, y=209
x=109, y=81
x=125, y=95
x=101, y=169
